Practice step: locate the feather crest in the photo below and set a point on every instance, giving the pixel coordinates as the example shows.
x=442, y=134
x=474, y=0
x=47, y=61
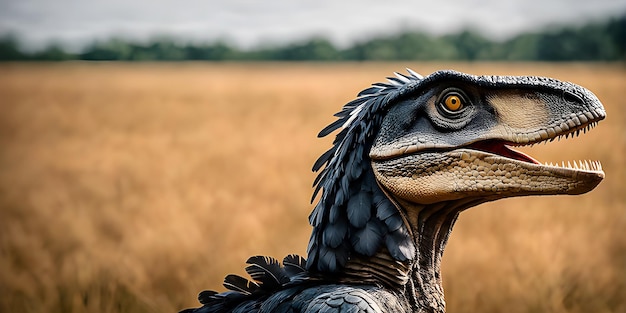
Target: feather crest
x=344, y=171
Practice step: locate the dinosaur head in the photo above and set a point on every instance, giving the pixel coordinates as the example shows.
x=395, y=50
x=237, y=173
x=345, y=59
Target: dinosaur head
x=453, y=139
x=416, y=151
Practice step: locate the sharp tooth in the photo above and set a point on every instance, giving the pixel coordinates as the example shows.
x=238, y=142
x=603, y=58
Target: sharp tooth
x=575, y=165
x=569, y=165
x=586, y=165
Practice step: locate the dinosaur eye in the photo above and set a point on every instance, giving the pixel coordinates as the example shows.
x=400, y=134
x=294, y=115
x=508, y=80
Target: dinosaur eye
x=453, y=109
x=453, y=103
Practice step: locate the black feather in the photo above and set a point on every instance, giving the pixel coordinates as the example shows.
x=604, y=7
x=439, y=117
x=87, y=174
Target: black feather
x=348, y=107
x=335, y=213
x=312, y=250
x=368, y=240
x=355, y=166
x=315, y=218
x=294, y=264
x=246, y=307
x=400, y=245
x=266, y=271
x=323, y=159
x=331, y=259
x=280, y=302
x=206, y=296
x=384, y=86
x=359, y=209
x=409, y=78
x=394, y=222
x=369, y=91
x=240, y=284
x=395, y=79
x=334, y=234
x=340, y=197
x=384, y=207
x=331, y=128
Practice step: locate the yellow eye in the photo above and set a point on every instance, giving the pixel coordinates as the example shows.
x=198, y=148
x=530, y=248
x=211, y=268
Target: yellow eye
x=453, y=103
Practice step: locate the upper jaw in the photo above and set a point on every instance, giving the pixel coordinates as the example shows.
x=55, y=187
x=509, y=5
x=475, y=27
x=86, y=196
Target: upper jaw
x=571, y=125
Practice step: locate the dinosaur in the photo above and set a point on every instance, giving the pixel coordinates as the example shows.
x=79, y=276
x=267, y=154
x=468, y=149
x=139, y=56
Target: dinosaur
x=411, y=154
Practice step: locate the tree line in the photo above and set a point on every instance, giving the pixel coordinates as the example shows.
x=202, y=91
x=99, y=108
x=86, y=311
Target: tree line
x=598, y=41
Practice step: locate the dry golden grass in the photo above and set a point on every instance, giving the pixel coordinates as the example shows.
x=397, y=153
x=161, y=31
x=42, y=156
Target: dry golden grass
x=131, y=187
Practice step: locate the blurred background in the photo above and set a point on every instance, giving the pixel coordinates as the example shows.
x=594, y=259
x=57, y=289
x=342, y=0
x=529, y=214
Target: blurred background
x=556, y=30
x=131, y=186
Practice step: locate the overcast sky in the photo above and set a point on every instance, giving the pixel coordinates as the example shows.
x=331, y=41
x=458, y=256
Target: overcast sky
x=248, y=23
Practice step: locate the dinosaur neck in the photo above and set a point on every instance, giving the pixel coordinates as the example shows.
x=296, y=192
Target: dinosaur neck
x=419, y=279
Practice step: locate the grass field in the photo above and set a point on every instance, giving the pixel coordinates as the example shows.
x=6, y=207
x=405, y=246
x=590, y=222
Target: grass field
x=132, y=187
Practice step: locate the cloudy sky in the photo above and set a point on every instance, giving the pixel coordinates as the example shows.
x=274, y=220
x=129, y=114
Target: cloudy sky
x=248, y=23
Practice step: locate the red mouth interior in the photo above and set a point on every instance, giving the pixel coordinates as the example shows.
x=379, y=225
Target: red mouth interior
x=501, y=149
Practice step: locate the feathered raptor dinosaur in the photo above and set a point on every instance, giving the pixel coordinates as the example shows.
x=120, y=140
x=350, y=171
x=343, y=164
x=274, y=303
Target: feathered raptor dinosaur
x=411, y=155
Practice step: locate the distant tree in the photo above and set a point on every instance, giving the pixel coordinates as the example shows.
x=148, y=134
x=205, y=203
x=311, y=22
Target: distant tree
x=166, y=50
x=616, y=30
x=375, y=49
x=111, y=50
x=587, y=43
x=420, y=46
x=53, y=52
x=520, y=48
x=218, y=51
x=9, y=48
x=470, y=45
x=316, y=49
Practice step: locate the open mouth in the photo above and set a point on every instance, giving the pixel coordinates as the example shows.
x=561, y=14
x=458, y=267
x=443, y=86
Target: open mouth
x=500, y=148
x=504, y=149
